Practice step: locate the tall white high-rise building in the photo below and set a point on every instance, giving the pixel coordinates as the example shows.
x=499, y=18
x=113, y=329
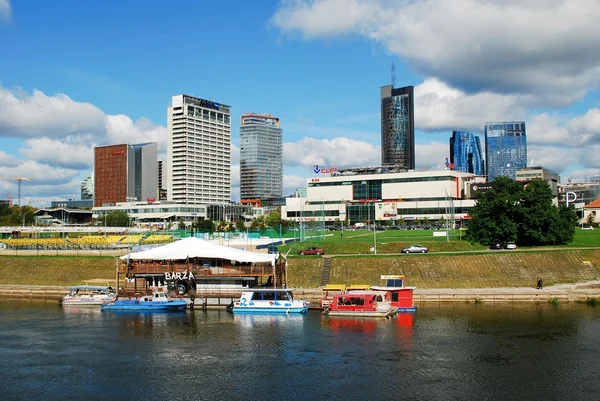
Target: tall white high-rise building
x=198, y=151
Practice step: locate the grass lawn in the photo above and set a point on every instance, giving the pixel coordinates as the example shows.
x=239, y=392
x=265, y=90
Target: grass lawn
x=392, y=241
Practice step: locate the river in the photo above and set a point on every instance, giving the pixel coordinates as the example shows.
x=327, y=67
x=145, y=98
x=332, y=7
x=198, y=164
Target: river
x=443, y=352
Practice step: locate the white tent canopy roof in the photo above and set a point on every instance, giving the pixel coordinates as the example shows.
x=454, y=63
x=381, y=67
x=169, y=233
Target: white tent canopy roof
x=198, y=248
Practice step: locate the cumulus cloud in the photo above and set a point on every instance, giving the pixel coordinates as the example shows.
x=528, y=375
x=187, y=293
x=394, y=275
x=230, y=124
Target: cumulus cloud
x=23, y=115
x=71, y=152
x=336, y=152
x=293, y=182
x=122, y=129
x=546, y=48
x=431, y=156
x=5, y=10
x=438, y=107
x=7, y=160
x=59, y=138
x=582, y=131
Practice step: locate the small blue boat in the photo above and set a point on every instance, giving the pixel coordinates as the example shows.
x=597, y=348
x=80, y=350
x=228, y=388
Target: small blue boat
x=158, y=301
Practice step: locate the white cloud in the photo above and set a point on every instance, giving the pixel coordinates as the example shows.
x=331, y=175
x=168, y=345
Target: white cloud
x=59, y=139
x=121, y=129
x=558, y=130
x=293, y=182
x=7, y=160
x=23, y=115
x=542, y=47
x=5, y=10
x=432, y=156
x=74, y=152
x=438, y=107
x=336, y=152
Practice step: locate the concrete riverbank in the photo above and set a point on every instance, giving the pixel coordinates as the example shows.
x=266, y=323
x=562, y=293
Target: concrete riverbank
x=579, y=292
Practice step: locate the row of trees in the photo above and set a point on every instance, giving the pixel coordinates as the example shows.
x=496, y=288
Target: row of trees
x=16, y=215
x=525, y=214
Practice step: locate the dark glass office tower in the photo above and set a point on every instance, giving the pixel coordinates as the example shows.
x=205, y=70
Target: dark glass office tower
x=505, y=149
x=398, y=127
x=465, y=153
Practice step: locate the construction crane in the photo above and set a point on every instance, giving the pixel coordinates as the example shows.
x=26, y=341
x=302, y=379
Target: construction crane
x=19, y=180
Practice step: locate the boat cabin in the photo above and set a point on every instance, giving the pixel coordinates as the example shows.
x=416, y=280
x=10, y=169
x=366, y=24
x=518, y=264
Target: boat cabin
x=268, y=294
x=356, y=301
x=396, y=293
x=155, y=297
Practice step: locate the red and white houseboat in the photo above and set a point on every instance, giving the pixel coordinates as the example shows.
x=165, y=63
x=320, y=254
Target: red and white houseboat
x=394, y=292
x=361, y=304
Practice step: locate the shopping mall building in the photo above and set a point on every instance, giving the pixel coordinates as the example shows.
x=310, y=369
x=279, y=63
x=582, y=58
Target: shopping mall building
x=383, y=194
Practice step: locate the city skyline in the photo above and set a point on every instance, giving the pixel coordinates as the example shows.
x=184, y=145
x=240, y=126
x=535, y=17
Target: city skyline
x=79, y=75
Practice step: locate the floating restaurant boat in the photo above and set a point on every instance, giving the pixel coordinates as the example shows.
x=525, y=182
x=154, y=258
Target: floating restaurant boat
x=81, y=295
x=360, y=304
x=158, y=301
x=208, y=274
x=269, y=300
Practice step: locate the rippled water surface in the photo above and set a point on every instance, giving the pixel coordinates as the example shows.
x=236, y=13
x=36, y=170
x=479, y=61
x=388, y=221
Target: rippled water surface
x=452, y=352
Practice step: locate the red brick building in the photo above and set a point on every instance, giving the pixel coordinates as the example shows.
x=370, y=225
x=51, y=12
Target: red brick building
x=110, y=174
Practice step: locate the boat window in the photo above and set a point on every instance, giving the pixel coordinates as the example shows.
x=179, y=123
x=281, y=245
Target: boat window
x=268, y=296
x=379, y=298
x=394, y=296
x=283, y=296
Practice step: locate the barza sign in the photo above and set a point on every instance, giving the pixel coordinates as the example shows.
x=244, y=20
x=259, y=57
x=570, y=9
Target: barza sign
x=179, y=276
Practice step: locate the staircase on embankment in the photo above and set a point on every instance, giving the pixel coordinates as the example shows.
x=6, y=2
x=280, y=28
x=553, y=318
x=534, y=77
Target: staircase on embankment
x=325, y=273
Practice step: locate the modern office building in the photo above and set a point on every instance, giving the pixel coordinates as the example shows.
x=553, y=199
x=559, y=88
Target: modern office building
x=398, y=127
x=162, y=180
x=465, y=153
x=125, y=173
x=261, y=158
x=505, y=149
x=198, y=151
x=371, y=194
x=87, y=188
x=539, y=173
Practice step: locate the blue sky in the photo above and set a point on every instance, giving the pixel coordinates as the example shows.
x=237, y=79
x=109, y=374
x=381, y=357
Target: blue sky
x=75, y=75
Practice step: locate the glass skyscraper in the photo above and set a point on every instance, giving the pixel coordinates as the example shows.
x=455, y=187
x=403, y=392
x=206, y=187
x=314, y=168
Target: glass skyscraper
x=505, y=149
x=465, y=153
x=261, y=157
x=398, y=127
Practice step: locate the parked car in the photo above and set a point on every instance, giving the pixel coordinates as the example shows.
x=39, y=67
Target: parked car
x=272, y=248
x=496, y=245
x=415, y=249
x=511, y=245
x=312, y=251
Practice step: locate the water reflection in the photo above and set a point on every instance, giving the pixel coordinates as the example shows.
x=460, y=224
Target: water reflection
x=265, y=320
x=442, y=352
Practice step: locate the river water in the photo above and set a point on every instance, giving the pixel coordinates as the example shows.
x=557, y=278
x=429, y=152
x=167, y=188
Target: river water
x=443, y=352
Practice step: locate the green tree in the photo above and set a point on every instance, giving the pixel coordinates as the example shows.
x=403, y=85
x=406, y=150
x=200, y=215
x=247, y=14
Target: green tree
x=510, y=211
x=205, y=225
x=258, y=223
x=114, y=218
x=239, y=225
